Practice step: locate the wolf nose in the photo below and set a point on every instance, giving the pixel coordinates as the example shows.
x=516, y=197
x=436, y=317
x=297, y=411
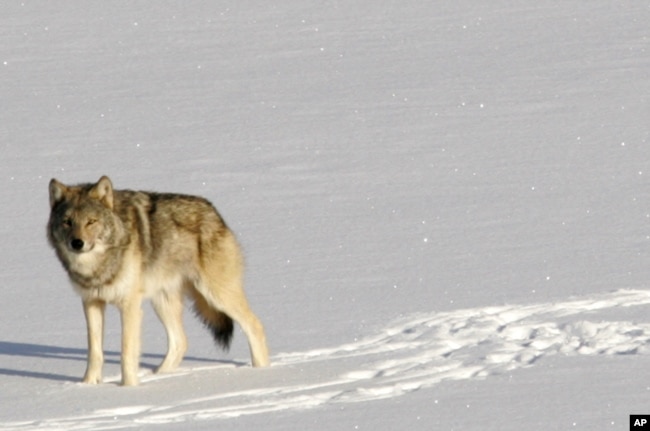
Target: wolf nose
x=77, y=244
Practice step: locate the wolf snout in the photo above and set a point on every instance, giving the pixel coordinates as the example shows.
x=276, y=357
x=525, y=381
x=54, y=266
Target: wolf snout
x=77, y=244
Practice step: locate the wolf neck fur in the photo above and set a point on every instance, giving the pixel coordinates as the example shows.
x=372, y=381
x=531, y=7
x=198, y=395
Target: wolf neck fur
x=97, y=268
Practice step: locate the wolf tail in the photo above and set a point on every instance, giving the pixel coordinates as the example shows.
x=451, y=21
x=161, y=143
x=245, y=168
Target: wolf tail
x=218, y=323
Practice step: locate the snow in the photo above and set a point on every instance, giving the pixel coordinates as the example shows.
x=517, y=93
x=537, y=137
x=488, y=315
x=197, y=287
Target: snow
x=444, y=208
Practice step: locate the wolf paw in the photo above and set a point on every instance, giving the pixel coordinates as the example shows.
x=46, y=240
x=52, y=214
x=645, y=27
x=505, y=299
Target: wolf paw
x=129, y=381
x=92, y=379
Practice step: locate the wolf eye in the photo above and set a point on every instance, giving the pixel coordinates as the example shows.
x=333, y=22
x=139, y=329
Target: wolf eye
x=91, y=221
x=67, y=222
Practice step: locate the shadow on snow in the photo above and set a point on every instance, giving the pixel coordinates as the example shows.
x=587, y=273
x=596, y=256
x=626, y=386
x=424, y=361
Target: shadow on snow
x=28, y=350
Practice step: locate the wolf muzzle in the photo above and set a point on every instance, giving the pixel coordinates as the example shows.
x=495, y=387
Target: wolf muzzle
x=77, y=244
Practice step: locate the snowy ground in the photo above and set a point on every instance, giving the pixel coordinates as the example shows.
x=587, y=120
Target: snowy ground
x=445, y=208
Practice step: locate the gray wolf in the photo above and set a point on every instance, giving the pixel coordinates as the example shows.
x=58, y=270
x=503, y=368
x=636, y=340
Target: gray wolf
x=121, y=246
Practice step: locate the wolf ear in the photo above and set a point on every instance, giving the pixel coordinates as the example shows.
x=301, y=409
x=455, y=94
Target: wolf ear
x=103, y=192
x=57, y=192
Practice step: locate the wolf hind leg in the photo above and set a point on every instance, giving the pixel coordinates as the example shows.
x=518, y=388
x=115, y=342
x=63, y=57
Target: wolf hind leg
x=253, y=329
x=229, y=299
x=220, y=282
x=169, y=309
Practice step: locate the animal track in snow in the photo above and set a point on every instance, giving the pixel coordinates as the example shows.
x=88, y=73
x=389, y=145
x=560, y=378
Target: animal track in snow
x=492, y=339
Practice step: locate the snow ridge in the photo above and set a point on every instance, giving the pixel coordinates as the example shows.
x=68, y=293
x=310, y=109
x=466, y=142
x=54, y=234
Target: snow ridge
x=412, y=353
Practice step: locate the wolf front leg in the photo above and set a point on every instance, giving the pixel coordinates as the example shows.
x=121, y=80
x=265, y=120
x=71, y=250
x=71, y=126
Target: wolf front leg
x=94, y=312
x=131, y=316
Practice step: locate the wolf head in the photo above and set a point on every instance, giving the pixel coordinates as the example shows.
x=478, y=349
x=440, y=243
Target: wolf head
x=82, y=217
